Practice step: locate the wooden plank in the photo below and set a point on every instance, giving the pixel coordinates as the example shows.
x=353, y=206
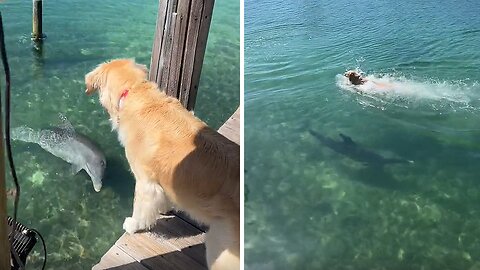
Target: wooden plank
x=165, y=56
x=176, y=259
x=231, y=128
x=140, y=247
x=180, y=260
x=158, y=39
x=181, y=234
x=172, y=244
x=162, y=249
x=183, y=8
x=184, y=237
x=200, y=51
x=190, y=47
x=198, y=253
x=117, y=258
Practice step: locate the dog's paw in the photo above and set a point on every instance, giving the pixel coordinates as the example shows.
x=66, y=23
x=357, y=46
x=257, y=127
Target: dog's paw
x=130, y=225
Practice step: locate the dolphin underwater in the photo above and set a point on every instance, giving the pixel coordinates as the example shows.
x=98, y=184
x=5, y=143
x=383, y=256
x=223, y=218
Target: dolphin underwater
x=65, y=143
x=352, y=150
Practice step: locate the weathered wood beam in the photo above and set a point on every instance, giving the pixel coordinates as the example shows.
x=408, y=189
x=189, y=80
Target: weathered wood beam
x=179, y=47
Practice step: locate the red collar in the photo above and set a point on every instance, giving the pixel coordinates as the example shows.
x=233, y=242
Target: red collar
x=122, y=97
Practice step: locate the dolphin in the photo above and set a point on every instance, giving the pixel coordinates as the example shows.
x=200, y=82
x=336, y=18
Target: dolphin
x=349, y=148
x=65, y=143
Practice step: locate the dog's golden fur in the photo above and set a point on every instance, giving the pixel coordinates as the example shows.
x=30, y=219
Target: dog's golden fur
x=177, y=160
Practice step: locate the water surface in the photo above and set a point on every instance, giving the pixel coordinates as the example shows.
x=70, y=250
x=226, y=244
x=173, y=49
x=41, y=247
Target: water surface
x=317, y=204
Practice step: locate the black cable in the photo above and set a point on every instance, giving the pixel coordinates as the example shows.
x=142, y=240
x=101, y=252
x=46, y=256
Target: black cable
x=7, y=119
x=7, y=135
x=9, y=146
x=44, y=248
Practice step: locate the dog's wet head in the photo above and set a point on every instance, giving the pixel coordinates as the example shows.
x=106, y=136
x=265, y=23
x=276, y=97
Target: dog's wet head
x=354, y=77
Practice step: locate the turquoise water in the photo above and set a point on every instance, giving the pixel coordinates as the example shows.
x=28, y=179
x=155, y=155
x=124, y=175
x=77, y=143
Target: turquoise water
x=314, y=203
x=78, y=223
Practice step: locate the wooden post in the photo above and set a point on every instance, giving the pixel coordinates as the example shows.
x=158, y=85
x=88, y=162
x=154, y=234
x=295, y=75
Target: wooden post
x=179, y=47
x=4, y=243
x=37, y=23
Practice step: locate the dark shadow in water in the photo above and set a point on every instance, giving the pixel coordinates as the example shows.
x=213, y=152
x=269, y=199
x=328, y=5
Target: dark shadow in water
x=427, y=147
x=38, y=60
x=37, y=48
x=424, y=149
x=378, y=177
x=347, y=147
x=120, y=180
x=373, y=173
x=373, y=176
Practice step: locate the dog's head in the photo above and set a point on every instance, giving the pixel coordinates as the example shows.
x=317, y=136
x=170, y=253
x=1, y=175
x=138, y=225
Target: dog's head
x=112, y=78
x=354, y=77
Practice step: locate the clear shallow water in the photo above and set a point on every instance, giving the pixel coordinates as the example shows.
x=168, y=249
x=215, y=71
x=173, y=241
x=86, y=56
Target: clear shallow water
x=309, y=206
x=78, y=223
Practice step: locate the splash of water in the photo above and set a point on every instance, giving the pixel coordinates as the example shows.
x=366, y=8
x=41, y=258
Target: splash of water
x=388, y=88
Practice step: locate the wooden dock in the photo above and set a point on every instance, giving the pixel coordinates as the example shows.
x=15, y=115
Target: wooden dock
x=174, y=243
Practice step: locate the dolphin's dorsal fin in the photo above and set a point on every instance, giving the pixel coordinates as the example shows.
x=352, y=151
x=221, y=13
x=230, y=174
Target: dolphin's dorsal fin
x=65, y=124
x=347, y=140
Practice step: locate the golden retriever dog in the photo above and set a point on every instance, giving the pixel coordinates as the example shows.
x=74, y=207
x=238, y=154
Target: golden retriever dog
x=177, y=160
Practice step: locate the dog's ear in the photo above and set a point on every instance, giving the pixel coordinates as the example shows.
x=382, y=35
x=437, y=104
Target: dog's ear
x=90, y=83
x=93, y=80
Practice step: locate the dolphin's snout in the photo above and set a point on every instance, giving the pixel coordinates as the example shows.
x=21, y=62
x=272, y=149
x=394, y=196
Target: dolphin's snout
x=97, y=186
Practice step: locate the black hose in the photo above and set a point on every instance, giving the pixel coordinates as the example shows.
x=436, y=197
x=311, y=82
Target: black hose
x=6, y=68
x=44, y=248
